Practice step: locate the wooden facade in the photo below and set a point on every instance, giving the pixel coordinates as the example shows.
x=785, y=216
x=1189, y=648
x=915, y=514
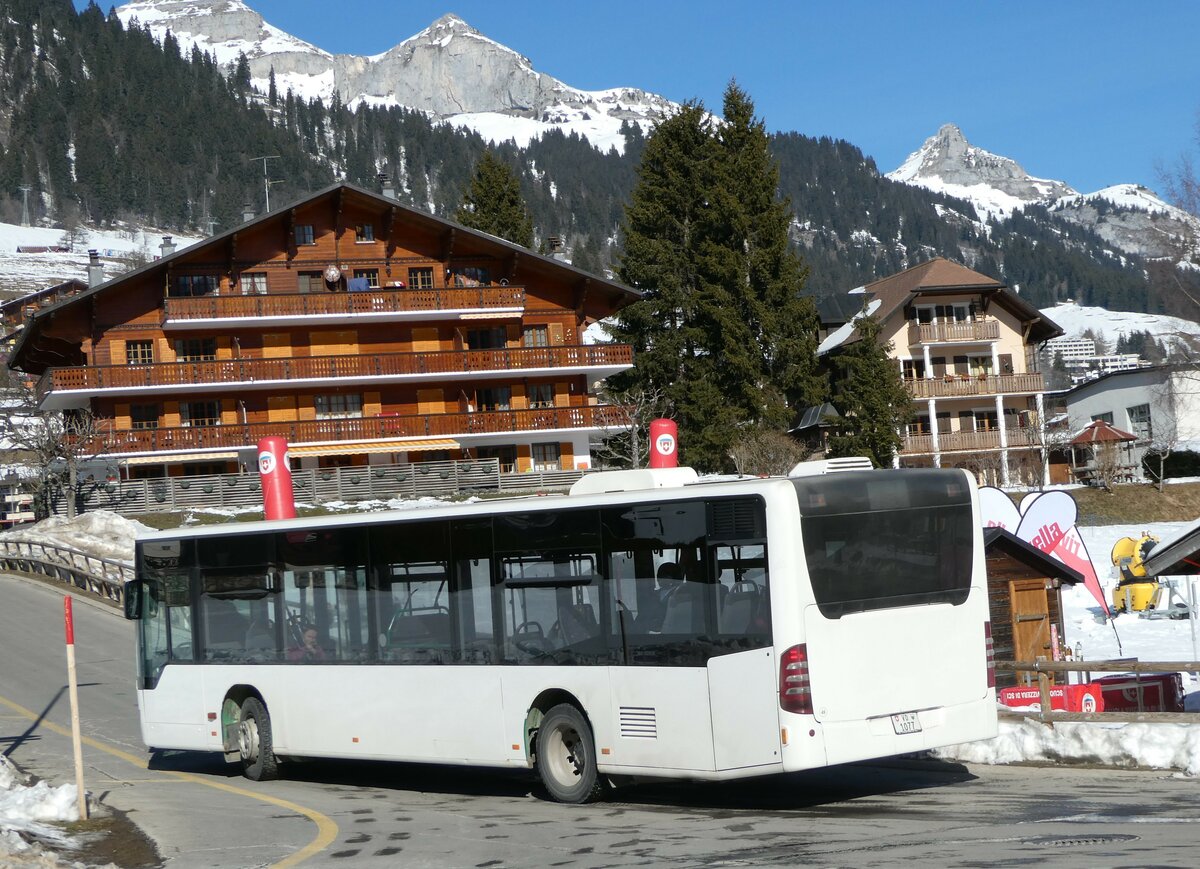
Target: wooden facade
x=1024, y=594
x=362, y=330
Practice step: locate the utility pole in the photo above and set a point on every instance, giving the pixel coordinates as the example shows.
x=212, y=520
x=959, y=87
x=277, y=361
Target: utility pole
x=25, y=205
x=266, y=181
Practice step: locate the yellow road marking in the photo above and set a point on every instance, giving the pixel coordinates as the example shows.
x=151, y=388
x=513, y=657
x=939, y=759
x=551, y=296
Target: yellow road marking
x=327, y=829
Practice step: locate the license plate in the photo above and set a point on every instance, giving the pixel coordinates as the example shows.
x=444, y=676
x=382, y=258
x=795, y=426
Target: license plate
x=906, y=722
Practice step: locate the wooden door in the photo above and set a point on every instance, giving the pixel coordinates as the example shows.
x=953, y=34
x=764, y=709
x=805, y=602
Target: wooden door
x=1030, y=620
x=430, y=401
x=276, y=345
x=281, y=408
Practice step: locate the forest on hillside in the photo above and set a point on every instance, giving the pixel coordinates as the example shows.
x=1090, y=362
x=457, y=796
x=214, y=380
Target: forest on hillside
x=106, y=125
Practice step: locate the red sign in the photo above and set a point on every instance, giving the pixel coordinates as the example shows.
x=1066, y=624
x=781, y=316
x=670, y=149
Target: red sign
x=279, y=502
x=664, y=444
x=1065, y=698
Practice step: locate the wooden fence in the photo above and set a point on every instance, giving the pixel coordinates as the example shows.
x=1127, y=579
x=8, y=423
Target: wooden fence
x=101, y=576
x=1046, y=714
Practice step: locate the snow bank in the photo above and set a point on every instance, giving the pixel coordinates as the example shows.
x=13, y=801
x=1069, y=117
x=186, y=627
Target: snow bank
x=99, y=533
x=25, y=813
x=1160, y=746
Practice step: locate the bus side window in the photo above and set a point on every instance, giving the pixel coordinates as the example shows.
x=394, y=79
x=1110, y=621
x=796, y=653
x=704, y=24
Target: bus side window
x=471, y=598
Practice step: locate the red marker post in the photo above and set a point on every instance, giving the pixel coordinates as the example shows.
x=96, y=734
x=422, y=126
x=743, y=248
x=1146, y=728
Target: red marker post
x=279, y=501
x=664, y=444
x=73, y=691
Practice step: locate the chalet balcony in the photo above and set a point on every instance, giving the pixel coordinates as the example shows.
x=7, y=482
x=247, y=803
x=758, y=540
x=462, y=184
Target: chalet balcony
x=953, y=333
x=969, y=441
x=59, y=388
x=384, y=304
x=362, y=430
x=969, y=385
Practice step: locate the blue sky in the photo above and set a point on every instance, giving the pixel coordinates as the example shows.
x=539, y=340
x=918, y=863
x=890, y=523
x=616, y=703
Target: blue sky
x=1092, y=93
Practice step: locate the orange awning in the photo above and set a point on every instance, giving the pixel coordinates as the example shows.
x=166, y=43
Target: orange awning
x=344, y=449
x=175, y=458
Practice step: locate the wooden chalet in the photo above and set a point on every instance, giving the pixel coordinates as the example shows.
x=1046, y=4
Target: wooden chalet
x=1025, y=597
x=362, y=330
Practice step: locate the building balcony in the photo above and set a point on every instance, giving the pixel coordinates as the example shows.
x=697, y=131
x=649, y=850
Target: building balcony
x=373, y=434
x=953, y=333
x=969, y=441
x=970, y=385
x=382, y=304
x=61, y=388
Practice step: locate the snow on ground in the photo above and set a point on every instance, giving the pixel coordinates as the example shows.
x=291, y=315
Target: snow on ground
x=27, y=813
x=1074, y=319
x=28, y=272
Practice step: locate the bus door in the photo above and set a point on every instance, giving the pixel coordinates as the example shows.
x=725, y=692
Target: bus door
x=742, y=676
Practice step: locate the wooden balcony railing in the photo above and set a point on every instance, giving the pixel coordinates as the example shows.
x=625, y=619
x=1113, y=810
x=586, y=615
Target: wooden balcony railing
x=965, y=385
x=373, y=301
x=944, y=333
x=352, y=367
x=958, y=441
x=447, y=425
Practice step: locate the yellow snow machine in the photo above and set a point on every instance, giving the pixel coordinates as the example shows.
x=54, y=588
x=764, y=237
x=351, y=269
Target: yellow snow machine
x=1135, y=592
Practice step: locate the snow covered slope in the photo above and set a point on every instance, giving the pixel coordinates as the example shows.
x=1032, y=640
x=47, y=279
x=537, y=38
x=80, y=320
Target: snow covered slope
x=449, y=70
x=1172, y=331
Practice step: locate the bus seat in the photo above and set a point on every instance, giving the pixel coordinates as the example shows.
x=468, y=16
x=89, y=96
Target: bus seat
x=741, y=604
x=577, y=623
x=685, y=610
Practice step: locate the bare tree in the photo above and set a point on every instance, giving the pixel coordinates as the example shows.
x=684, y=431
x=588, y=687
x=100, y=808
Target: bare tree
x=626, y=444
x=767, y=452
x=1164, y=432
x=52, y=444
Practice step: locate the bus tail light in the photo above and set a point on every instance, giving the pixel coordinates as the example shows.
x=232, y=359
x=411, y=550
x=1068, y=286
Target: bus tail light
x=990, y=651
x=795, y=691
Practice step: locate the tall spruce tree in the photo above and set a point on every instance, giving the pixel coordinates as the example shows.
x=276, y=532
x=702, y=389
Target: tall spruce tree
x=721, y=330
x=870, y=396
x=493, y=203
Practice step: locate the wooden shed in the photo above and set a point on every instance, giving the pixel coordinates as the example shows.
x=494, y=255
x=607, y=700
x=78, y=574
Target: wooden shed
x=1024, y=595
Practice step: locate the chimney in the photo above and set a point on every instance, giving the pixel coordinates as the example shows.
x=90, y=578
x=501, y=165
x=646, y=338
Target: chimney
x=95, y=269
x=248, y=213
x=385, y=186
x=167, y=247
x=556, y=248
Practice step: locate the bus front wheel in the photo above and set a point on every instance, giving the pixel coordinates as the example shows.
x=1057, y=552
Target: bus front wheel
x=566, y=756
x=254, y=742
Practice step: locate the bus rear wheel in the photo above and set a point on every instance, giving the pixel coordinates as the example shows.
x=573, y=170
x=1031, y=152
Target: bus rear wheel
x=566, y=756
x=254, y=742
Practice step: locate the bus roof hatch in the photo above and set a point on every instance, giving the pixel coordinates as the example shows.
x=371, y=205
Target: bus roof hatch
x=635, y=480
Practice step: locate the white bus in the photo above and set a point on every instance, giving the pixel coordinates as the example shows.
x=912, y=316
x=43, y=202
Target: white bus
x=646, y=625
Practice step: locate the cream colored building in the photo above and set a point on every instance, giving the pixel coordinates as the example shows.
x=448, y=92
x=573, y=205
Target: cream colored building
x=967, y=347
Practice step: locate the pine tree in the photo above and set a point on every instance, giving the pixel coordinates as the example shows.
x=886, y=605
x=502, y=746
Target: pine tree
x=722, y=330
x=272, y=93
x=870, y=396
x=493, y=203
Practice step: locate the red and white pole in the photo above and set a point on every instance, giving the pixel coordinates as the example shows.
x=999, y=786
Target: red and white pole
x=279, y=501
x=664, y=443
x=73, y=693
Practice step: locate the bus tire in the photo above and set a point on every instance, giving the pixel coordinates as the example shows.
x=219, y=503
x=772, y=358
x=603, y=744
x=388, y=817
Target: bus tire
x=254, y=742
x=566, y=756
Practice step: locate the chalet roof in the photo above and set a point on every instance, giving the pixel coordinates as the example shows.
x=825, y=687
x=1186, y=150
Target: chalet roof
x=620, y=293
x=941, y=277
x=1002, y=540
x=1100, y=432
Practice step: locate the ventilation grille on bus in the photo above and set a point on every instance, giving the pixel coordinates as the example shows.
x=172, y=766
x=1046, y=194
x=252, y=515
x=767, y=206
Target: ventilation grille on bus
x=734, y=519
x=820, y=467
x=639, y=722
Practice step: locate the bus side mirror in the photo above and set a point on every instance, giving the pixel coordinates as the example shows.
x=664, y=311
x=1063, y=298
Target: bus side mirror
x=133, y=599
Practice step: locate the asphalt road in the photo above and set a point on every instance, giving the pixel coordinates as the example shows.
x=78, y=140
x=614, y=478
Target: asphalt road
x=199, y=812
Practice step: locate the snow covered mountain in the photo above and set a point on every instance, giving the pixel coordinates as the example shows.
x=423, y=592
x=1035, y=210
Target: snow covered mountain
x=996, y=185
x=1127, y=216
x=449, y=70
x=1177, y=334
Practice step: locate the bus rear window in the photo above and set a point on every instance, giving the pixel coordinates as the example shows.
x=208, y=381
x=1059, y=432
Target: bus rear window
x=884, y=539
